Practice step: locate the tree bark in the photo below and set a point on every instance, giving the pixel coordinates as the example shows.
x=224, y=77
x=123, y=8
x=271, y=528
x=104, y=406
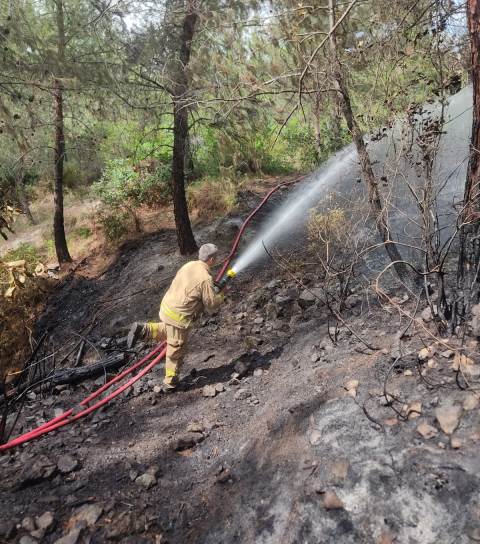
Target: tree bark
x=185, y=238
x=61, y=248
x=376, y=205
x=469, y=254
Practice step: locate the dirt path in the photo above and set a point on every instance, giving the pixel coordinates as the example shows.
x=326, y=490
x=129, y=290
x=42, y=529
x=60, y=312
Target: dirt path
x=281, y=454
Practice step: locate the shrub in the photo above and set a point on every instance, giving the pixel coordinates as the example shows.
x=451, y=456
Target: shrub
x=116, y=226
x=83, y=232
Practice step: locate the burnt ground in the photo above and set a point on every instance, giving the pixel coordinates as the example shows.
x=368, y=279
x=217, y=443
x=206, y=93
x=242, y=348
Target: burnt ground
x=289, y=450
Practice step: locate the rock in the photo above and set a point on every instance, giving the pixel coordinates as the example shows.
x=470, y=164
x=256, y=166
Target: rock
x=241, y=367
x=426, y=353
x=431, y=363
x=195, y=427
x=71, y=537
x=455, y=443
x=242, y=394
x=45, y=521
x=448, y=417
x=28, y=524
x=331, y=501
x=426, y=315
x=66, y=464
x=315, y=437
x=306, y=299
x=258, y=320
x=471, y=402
x=219, y=387
x=447, y=353
x=157, y=389
x=351, y=386
x=314, y=357
x=187, y=440
x=474, y=534
x=414, y=409
x=88, y=513
x=258, y=372
x=427, y=431
x=282, y=300
x=209, y=391
x=41, y=469
x=408, y=372
x=27, y=540
x=146, y=480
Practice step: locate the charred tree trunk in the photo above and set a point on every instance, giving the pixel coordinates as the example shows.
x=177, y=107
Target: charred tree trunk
x=469, y=255
x=61, y=248
x=185, y=238
x=376, y=205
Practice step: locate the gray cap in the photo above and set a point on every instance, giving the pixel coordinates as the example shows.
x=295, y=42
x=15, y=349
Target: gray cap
x=206, y=251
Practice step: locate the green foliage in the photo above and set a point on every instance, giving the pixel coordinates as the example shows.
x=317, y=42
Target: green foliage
x=116, y=226
x=124, y=186
x=213, y=197
x=83, y=232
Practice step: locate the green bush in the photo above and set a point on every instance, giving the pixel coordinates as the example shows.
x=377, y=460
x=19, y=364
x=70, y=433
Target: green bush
x=116, y=226
x=122, y=187
x=24, y=251
x=83, y=232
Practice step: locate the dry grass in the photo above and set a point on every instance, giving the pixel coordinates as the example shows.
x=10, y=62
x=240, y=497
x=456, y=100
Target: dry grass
x=212, y=198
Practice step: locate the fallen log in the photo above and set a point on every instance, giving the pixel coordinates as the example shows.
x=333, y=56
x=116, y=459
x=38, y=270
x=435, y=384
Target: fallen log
x=67, y=376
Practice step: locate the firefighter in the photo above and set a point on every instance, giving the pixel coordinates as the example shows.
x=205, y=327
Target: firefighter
x=191, y=292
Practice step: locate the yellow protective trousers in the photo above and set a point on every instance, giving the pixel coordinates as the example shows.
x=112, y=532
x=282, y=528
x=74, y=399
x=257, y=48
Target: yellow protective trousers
x=176, y=343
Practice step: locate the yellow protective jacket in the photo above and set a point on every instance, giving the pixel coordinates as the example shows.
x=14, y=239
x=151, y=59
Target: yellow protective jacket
x=190, y=293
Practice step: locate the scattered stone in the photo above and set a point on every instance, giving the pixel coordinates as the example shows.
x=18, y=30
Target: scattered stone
x=27, y=540
x=426, y=353
x=306, y=299
x=408, y=372
x=157, y=389
x=426, y=315
x=386, y=537
x=209, y=391
x=67, y=463
x=195, y=427
x=28, y=524
x=455, y=443
x=242, y=394
x=241, y=367
x=315, y=437
x=331, y=501
x=146, y=480
x=45, y=521
x=391, y=421
x=41, y=469
x=471, y=402
x=88, y=513
x=187, y=440
x=414, y=409
x=447, y=353
x=282, y=300
x=474, y=534
x=258, y=320
x=448, y=417
x=219, y=387
x=71, y=537
x=339, y=470
x=427, y=431
x=272, y=310
x=314, y=357
x=351, y=386
x=258, y=372
x=431, y=363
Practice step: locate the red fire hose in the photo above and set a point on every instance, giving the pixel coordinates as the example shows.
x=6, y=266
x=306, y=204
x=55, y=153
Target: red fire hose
x=157, y=354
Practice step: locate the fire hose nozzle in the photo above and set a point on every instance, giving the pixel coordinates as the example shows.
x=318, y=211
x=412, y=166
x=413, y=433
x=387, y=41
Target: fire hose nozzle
x=220, y=285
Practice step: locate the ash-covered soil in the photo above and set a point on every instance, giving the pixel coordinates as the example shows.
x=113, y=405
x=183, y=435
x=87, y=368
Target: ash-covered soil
x=280, y=433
